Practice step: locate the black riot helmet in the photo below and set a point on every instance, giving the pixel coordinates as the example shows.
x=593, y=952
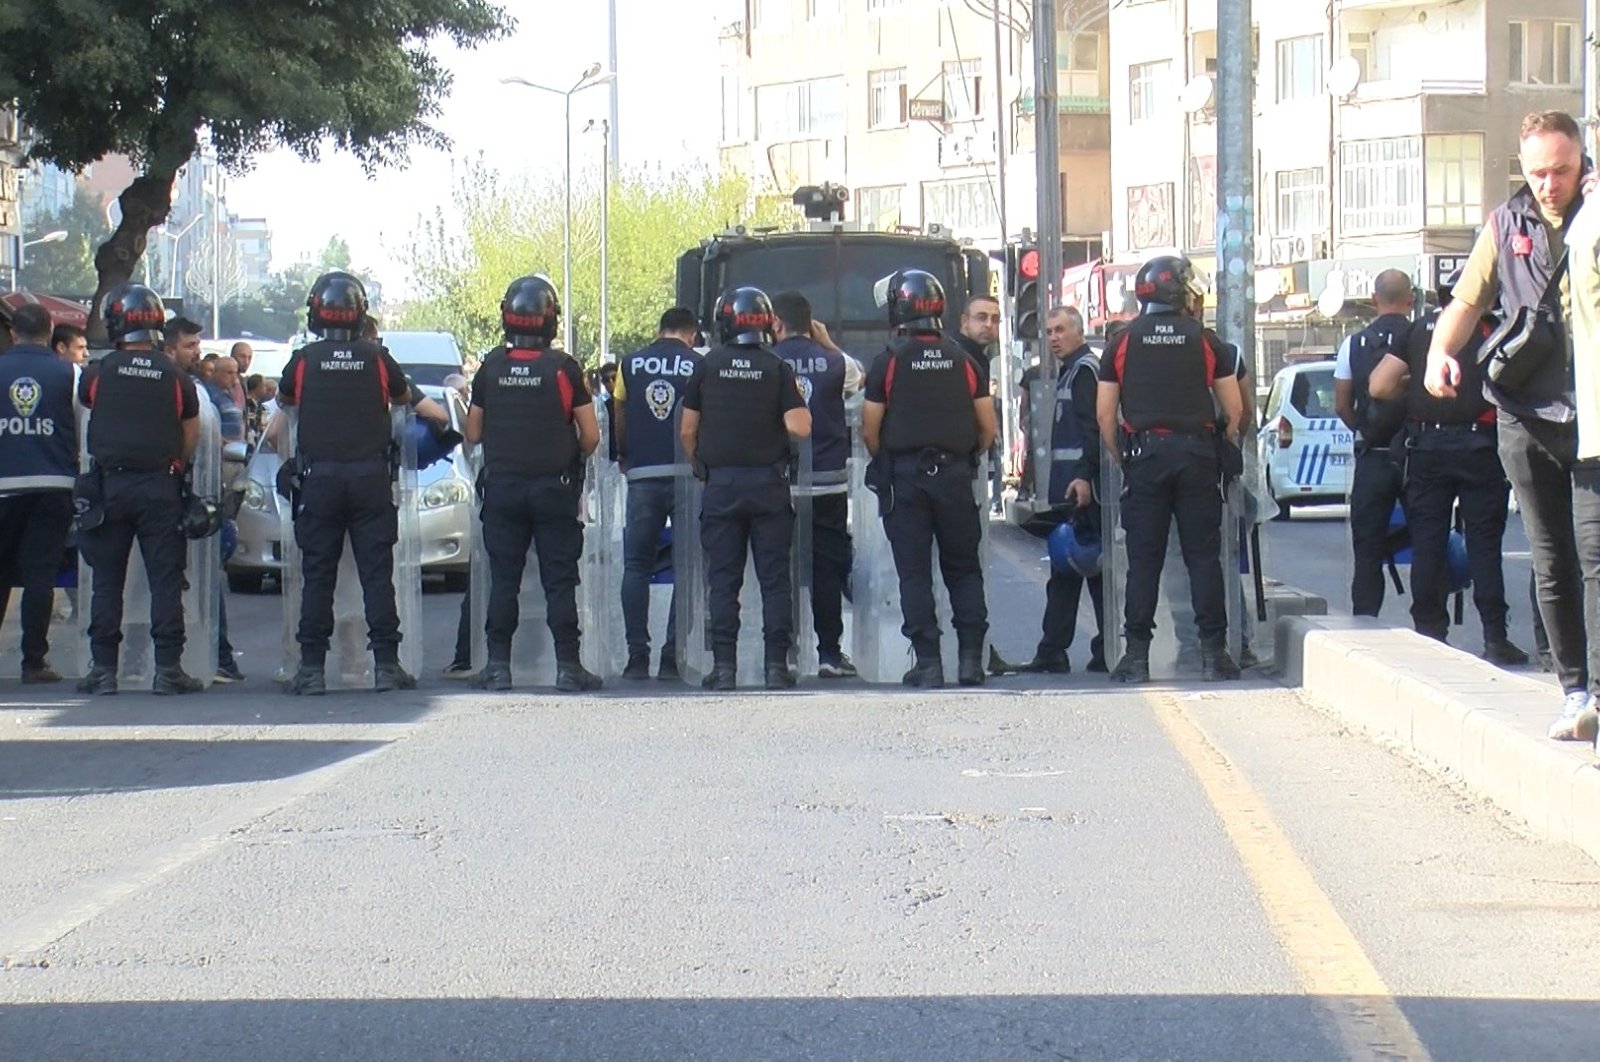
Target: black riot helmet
x=530, y=313
x=744, y=318
x=336, y=307
x=915, y=300
x=1165, y=284
x=133, y=314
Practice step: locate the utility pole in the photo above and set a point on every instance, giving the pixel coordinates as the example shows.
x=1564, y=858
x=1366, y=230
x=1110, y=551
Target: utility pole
x=1047, y=155
x=611, y=23
x=1236, y=225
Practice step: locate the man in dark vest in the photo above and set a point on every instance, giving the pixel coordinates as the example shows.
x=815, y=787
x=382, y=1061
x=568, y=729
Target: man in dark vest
x=532, y=411
x=649, y=393
x=1519, y=263
x=927, y=418
x=344, y=387
x=827, y=376
x=1161, y=384
x=1376, y=485
x=739, y=409
x=143, y=428
x=1450, y=459
x=979, y=330
x=38, y=463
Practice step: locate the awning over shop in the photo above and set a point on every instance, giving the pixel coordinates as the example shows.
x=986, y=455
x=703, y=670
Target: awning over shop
x=62, y=311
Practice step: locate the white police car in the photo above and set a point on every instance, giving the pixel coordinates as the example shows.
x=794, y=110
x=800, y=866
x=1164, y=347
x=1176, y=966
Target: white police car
x=1304, y=447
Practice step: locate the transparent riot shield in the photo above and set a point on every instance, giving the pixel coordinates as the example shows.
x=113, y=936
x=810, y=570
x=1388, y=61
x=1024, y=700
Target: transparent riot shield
x=801, y=560
x=349, y=663
x=1258, y=611
x=604, y=515
x=1041, y=413
x=689, y=579
x=202, y=576
x=533, y=650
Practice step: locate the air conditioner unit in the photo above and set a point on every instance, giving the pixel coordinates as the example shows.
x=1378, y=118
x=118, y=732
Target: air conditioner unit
x=1283, y=250
x=1303, y=246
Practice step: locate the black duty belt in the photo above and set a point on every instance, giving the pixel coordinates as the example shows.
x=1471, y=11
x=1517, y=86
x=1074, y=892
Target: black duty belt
x=928, y=461
x=136, y=469
x=347, y=468
x=744, y=475
x=1467, y=428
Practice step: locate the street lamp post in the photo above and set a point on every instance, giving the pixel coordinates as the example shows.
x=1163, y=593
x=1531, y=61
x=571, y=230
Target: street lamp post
x=49, y=237
x=605, y=237
x=591, y=77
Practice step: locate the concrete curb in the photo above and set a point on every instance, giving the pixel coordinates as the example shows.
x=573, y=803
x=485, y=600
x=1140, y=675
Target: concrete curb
x=1460, y=715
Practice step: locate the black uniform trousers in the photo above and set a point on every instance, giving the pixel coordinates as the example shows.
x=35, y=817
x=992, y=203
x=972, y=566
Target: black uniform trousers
x=33, y=536
x=1376, y=487
x=933, y=502
x=747, y=511
x=542, y=512
x=832, y=553
x=1167, y=479
x=354, y=499
x=1447, y=465
x=147, y=507
x=1062, y=596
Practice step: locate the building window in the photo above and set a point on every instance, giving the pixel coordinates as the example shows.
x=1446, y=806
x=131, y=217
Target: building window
x=800, y=109
x=1299, y=68
x=1359, y=46
x=878, y=208
x=967, y=207
x=877, y=6
x=1302, y=201
x=1545, y=52
x=732, y=110
x=886, y=98
x=1146, y=83
x=962, y=82
x=1150, y=216
x=1454, y=179
x=1380, y=184
x=1078, y=65
x=823, y=10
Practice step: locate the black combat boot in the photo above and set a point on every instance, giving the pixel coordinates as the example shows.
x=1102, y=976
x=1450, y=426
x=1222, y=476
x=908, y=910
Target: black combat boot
x=724, y=675
x=668, y=672
x=172, y=681
x=1216, y=663
x=1502, y=652
x=1049, y=662
x=308, y=681
x=1134, y=667
x=780, y=676
x=638, y=665
x=101, y=681
x=495, y=677
x=389, y=675
x=926, y=674
x=969, y=665
x=573, y=677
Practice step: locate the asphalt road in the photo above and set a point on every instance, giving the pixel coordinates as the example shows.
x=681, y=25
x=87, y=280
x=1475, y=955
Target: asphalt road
x=1061, y=872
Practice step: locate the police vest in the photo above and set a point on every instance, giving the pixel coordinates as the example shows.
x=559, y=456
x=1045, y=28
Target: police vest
x=528, y=399
x=653, y=380
x=1468, y=406
x=1377, y=420
x=741, y=409
x=342, y=392
x=1523, y=265
x=1166, y=367
x=929, y=387
x=1066, y=435
x=820, y=374
x=38, y=431
x=136, y=398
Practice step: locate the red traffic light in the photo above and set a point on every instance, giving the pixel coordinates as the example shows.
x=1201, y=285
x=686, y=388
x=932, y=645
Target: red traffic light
x=1028, y=265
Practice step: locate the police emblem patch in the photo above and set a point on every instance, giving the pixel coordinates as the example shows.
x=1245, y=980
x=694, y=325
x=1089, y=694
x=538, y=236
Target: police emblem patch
x=659, y=397
x=25, y=395
x=806, y=388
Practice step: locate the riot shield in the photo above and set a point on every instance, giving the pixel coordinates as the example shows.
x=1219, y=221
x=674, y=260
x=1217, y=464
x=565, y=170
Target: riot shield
x=1041, y=413
x=349, y=664
x=604, y=515
x=803, y=657
x=693, y=619
x=202, y=585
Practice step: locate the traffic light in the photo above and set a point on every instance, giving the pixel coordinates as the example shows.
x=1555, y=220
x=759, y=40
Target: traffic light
x=1024, y=276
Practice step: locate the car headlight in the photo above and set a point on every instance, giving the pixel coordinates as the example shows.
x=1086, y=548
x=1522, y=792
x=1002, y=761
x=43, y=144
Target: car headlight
x=256, y=497
x=445, y=493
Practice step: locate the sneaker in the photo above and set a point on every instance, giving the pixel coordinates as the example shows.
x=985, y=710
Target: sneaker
x=39, y=674
x=638, y=665
x=1578, y=720
x=458, y=669
x=836, y=666
x=228, y=671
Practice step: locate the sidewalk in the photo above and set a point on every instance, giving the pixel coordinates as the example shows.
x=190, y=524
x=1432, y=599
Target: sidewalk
x=1463, y=717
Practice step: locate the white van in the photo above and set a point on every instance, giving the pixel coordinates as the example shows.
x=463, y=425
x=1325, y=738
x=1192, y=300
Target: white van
x=1306, y=450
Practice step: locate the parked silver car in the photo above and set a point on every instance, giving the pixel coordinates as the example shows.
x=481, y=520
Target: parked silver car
x=446, y=494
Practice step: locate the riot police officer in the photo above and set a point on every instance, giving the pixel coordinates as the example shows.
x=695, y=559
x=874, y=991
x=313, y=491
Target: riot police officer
x=739, y=409
x=649, y=391
x=532, y=411
x=344, y=387
x=827, y=376
x=1376, y=485
x=144, y=426
x=1158, y=420
x=1451, y=457
x=927, y=418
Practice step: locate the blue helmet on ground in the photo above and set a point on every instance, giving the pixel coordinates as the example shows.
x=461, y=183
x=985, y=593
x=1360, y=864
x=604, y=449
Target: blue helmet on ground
x=1074, y=548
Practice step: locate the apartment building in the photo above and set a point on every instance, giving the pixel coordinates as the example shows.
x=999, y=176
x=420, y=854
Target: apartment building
x=11, y=157
x=907, y=104
x=1385, y=130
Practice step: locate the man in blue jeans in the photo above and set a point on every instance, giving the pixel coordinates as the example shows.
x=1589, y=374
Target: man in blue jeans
x=648, y=392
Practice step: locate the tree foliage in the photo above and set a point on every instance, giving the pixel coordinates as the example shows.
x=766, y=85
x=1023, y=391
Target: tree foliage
x=65, y=268
x=506, y=227
x=145, y=77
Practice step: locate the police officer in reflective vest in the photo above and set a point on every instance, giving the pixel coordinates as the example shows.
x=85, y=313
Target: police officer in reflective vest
x=827, y=376
x=1074, y=475
x=144, y=426
x=928, y=416
x=38, y=463
x=739, y=409
x=344, y=388
x=532, y=411
x=1161, y=375
x=1376, y=485
x=649, y=392
x=1452, y=458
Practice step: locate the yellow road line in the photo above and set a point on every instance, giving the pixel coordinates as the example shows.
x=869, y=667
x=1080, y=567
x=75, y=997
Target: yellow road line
x=1325, y=954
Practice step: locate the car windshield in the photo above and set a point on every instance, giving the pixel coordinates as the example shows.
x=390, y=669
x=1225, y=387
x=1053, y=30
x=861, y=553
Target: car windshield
x=839, y=291
x=1312, y=396
x=427, y=374
x=427, y=357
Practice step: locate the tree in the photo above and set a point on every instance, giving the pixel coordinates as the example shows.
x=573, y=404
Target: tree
x=505, y=228
x=65, y=268
x=145, y=77
x=336, y=255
